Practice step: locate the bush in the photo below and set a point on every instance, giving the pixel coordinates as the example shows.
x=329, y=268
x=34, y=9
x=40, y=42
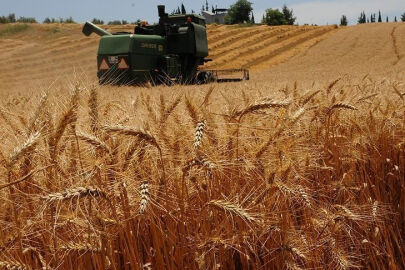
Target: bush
x=97, y=21
x=403, y=17
x=13, y=29
x=27, y=20
x=239, y=12
x=115, y=22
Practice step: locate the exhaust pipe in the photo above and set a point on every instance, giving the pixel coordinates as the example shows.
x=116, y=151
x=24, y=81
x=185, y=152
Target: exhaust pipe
x=161, y=10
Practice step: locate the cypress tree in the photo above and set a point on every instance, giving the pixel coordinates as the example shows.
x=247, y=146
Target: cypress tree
x=212, y=9
x=206, y=5
x=387, y=19
x=343, y=20
x=362, y=18
x=379, y=16
x=252, y=20
x=395, y=19
x=183, y=9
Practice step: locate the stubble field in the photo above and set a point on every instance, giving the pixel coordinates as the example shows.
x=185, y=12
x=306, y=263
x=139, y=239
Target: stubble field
x=302, y=167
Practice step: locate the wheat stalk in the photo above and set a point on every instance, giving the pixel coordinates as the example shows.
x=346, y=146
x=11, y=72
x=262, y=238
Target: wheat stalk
x=93, y=113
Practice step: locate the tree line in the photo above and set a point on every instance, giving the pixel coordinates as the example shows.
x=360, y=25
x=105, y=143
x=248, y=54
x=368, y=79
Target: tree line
x=372, y=18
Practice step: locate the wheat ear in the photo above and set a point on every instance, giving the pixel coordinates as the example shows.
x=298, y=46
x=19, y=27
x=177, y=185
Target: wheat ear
x=260, y=106
x=23, y=149
x=196, y=162
x=94, y=141
x=13, y=266
x=232, y=208
x=145, y=197
x=37, y=115
x=341, y=106
x=192, y=111
x=199, y=132
x=169, y=110
x=74, y=193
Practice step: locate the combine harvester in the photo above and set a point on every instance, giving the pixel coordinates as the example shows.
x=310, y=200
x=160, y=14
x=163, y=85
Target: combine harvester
x=171, y=51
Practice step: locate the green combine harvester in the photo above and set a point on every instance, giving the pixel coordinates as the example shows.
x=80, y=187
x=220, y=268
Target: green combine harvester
x=171, y=51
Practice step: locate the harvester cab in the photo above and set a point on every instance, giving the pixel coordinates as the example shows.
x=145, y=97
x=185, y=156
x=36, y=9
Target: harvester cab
x=171, y=51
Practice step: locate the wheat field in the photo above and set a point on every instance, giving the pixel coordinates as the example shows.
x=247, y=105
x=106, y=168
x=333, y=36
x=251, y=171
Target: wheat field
x=302, y=167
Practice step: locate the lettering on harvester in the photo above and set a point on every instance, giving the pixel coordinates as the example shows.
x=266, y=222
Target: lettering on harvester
x=148, y=45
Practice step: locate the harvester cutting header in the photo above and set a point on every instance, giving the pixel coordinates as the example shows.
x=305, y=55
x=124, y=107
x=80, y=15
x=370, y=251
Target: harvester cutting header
x=171, y=51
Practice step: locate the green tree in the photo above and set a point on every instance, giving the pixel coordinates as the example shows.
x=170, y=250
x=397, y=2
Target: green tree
x=387, y=19
x=403, y=17
x=395, y=19
x=372, y=18
x=183, y=9
x=47, y=20
x=379, y=16
x=11, y=18
x=343, y=20
x=274, y=17
x=252, y=20
x=288, y=15
x=362, y=18
x=239, y=12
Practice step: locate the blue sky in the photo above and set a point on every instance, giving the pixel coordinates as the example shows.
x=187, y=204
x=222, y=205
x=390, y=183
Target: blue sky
x=307, y=11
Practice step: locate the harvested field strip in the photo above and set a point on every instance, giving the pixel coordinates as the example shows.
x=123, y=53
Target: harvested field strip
x=227, y=33
x=260, y=47
x=283, y=48
x=240, y=36
x=288, y=53
x=245, y=44
x=278, y=49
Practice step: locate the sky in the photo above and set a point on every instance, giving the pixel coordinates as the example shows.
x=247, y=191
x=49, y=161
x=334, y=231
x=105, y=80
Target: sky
x=319, y=12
